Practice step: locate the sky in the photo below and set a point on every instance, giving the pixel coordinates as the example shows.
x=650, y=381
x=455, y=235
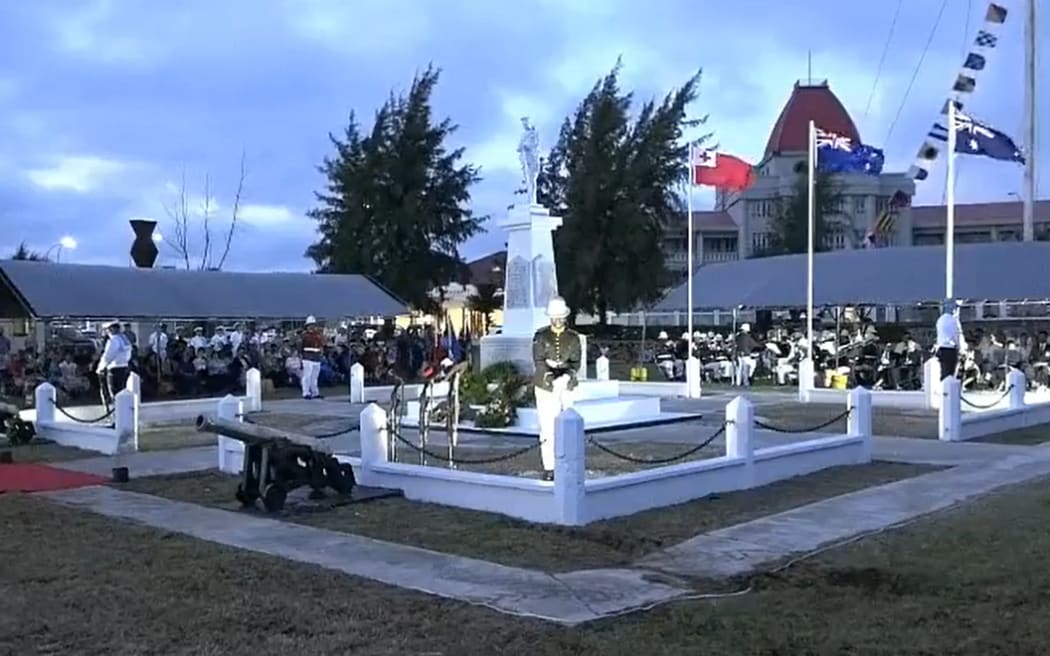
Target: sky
x=107, y=106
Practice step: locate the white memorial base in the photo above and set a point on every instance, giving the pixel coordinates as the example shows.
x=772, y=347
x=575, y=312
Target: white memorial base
x=598, y=402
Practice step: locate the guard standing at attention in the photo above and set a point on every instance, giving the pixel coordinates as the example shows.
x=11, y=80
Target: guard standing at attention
x=112, y=367
x=557, y=353
x=950, y=339
x=313, y=351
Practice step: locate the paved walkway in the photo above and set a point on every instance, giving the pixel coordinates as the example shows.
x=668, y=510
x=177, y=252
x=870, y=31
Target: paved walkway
x=563, y=598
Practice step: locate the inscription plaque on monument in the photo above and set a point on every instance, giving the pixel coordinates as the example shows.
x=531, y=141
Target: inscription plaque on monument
x=543, y=285
x=517, y=289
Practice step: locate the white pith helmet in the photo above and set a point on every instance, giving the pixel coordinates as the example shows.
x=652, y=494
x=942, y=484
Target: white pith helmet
x=557, y=308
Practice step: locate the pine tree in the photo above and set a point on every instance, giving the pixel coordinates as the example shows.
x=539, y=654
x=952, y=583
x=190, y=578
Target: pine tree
x=23, y=252
x=394, y=207
x=789, y=225
x=615, y=182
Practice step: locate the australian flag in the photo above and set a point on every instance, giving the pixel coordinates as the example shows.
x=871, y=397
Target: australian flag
x=838, y=154
x=976, y=138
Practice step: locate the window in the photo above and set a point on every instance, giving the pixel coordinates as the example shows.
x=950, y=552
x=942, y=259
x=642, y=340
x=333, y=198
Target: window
x=759, y=242
x=860, y=205
x=835, y=240
x=760, y=209
x=881, y=203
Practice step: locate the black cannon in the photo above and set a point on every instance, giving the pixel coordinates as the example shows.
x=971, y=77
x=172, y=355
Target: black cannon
x=277, y=462
x=17, y=429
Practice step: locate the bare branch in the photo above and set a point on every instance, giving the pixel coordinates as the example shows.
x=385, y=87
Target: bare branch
x=177, y=239
x=206, y=224
x=234, y=213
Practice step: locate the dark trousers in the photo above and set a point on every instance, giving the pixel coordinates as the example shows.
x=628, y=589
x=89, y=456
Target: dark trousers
x=948, y=358
x=116, y=379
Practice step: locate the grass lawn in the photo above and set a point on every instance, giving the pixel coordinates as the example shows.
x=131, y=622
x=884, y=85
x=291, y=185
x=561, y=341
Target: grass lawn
x=496, y=537
x=963, y=583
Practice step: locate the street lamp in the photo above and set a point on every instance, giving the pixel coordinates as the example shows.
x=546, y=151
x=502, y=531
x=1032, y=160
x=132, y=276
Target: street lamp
x=65, y=242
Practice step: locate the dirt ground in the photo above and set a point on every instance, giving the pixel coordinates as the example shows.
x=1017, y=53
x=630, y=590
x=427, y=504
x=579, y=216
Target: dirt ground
x=496, y=537
x=962, y=583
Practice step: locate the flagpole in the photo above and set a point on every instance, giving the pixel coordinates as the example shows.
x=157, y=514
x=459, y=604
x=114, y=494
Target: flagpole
x=1030, y=113
x=810, y=228
x=949, y=234
x=689, y=274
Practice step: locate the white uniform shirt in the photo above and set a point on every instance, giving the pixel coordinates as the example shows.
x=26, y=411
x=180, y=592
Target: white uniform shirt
x=198, y=341
x=116, y=354
x=219, y=340
x=949, y=332
x=158, y=343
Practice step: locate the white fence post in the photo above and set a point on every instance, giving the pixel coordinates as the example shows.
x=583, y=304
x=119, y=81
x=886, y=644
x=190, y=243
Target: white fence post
x=570, y=468
x=949, y=416
x=375, y=447
x=253, y=389
x=134, y=384
x=1016, y=384
x=740, y=421
x=859, y=422
x=601, y=368
x=931, y=383
x=44, y=397
x=126, y=421
x=231, y=451
x=805, y=379
x=357, y=383
x=692, y=377
x=581, y=374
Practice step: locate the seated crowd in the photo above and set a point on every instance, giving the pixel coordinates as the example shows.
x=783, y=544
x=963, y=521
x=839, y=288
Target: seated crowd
x=192, y=362
x=860, y=355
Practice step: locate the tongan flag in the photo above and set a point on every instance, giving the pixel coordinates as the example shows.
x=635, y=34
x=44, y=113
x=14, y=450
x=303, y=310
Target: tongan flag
x=720, y=170
x=838, y=154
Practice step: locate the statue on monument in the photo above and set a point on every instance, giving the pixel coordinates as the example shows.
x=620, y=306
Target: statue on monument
x=529, y=156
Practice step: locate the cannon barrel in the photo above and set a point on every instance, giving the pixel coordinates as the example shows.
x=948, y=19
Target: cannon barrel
x=9, y=410
x=256, y=434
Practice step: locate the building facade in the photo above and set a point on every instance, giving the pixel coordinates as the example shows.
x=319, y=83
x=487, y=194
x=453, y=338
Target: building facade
x=740, y=224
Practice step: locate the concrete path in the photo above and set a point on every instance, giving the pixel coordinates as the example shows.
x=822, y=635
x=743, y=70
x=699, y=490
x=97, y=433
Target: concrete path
x=148, y=463
x=563, y=598
x=743, y=548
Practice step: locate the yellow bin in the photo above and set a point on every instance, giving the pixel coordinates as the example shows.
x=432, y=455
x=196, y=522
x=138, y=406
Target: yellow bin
x=838, y=381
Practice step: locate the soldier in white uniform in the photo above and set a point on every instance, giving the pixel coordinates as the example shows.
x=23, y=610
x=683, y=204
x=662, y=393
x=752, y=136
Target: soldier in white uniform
x=950, y=339
x=112, y=367
x=556, y=353
x=198, y=341
x=158, y=341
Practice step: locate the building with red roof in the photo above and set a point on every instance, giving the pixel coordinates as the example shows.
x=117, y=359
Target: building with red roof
x=739, y=225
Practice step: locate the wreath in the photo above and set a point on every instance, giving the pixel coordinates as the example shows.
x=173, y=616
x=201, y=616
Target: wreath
x=492, y=397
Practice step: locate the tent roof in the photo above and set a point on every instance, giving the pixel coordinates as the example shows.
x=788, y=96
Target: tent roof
x=49, y=290
x=881, y=276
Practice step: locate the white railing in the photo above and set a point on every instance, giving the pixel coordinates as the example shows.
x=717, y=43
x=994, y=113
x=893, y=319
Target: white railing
x=1006, y=412
x=573, y=500
x=106, y=434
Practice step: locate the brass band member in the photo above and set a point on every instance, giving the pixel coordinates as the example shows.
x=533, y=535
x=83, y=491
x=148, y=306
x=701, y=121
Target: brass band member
x=557, y=354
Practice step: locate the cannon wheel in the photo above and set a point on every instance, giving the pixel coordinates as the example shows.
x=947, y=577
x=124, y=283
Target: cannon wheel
x=242, y=496
x=341, y=477
x=273, y=497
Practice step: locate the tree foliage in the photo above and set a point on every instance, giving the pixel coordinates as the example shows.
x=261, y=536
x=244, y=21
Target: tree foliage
x=614, y=181
x=789, y=225
x=23, y=252
x=394, y=206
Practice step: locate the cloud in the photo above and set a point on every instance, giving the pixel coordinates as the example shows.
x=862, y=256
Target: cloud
x=265, y=214
x=102, y=101
x=81, y=174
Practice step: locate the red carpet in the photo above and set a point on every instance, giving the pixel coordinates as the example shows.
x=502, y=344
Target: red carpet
x=31, y=477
